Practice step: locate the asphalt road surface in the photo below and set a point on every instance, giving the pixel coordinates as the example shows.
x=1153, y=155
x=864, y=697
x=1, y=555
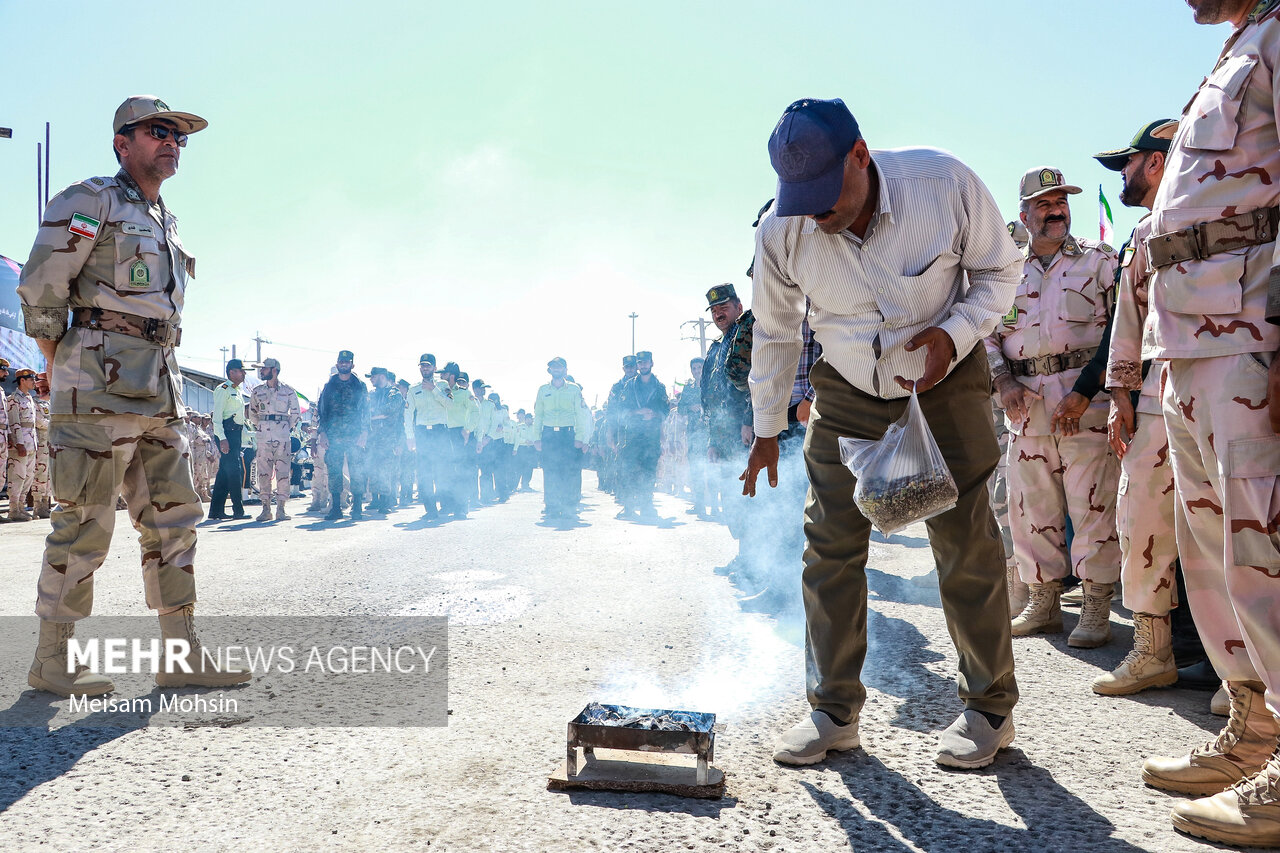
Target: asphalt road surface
x=544, y=619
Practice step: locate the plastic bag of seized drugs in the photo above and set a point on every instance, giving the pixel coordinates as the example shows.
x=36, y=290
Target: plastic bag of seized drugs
x=902, y=478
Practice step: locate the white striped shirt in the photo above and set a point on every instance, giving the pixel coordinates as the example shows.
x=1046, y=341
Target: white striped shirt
x=935, y=224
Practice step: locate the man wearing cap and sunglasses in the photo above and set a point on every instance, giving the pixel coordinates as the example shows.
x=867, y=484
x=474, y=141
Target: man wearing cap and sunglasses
x=907, y=266
x=102, y=293
x=274, y=412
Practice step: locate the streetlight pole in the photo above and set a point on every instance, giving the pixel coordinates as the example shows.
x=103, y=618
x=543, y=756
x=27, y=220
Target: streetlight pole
x=701, y=323
x=633, y=315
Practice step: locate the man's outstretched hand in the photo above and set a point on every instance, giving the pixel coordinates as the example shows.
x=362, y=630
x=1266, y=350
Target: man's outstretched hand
x=940, y=352
x=764, y=455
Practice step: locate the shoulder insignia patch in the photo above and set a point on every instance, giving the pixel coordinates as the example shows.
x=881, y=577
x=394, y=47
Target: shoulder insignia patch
x=1127, y=257
x=98, y=184
x=1106, y=248
x=1012, y=317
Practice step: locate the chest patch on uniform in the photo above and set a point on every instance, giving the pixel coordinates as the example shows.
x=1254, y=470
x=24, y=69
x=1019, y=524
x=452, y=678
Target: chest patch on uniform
x=85, y=226
x=135, y=228
x=1012, y=317
x=139, y=274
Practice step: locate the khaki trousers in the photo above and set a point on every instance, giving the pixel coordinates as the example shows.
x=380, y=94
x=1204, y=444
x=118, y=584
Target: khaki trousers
x=965, y=540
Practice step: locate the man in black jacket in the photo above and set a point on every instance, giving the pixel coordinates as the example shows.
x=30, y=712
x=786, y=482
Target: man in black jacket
x=344, y=423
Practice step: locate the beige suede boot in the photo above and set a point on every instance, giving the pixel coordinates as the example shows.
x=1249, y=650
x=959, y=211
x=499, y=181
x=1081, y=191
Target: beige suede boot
x=1018, y=591
x=281, y=515
x=1094, y=628
x=1042, y=614
x=1150, y=664
x=265, y=515
x=49, y=669
x=1247, y=814
x=1238, y=752
x=180, y=624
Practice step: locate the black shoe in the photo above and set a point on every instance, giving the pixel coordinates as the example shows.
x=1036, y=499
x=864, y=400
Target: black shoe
x=217, y=517
x=334, y=515
x=240, y=516
x=1199, y=676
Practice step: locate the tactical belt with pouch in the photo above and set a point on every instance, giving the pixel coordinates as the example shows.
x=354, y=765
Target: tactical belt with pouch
x=273, y=417
x=1204, y=239
x=146, y=328
x=1048, y=364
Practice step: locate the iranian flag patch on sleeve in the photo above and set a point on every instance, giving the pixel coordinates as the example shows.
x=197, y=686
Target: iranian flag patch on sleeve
x=85, y=226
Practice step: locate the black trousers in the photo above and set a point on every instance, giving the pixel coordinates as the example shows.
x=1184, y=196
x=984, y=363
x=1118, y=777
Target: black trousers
x=230, y=478
x=340, y=451
x=561, y=469
x=638, y=468
x=433, y=467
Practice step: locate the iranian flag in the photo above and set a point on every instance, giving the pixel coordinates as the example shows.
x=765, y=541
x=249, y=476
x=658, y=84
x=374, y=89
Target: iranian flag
x=1106, y=222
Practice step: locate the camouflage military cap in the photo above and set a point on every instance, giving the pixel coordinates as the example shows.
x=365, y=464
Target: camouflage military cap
x=346, y=355
x=558, y=362
x=25, y=373
x=628, y=361
x=721, y=294
x=377, y=371
x=142, y=107
x=271, y=362
x=1155, y=136
x=235, y=364
x=1043, y=180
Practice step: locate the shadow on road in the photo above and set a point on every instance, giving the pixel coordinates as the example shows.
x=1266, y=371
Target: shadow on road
x=664, y=803
x=903, y=818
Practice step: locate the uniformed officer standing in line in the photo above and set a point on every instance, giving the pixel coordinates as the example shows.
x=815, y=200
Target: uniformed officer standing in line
x=428, y=406
x=386, y=434
x=408, y=447
x=273, y=413
x=452, y=499
x=21, y=411
x=608, y=480
x=1214, y=299
x=108, y=253
x=726, y=410
x=41, y=490
x=4, y=423
x=344, y=427
x=562, y=425
x=1058, y=468
x=229, y=401
x=643, y=405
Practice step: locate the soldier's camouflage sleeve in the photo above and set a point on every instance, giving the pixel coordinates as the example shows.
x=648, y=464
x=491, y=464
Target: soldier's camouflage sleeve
x=57, y=257
x=737, y=364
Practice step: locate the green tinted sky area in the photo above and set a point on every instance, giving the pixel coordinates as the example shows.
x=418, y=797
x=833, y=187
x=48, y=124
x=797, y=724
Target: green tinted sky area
x=500, y=183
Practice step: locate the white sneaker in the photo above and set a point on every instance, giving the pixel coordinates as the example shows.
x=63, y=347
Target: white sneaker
x=970, y=742
x=809, y=741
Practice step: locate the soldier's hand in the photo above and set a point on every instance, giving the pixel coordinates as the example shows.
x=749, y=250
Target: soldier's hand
x=224, y=446
x=1067, y=414
x=1273, y=393
x=764, y=456
x=1015, y=398
x=803, y=410
x=940, y=351
x=1120, y=422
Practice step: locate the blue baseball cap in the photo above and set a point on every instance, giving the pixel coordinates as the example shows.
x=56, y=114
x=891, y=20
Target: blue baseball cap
x=808, y=149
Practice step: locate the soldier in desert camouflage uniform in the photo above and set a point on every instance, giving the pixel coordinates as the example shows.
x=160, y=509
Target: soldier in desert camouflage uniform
x=108, y=254
x=1053, y=329
x=21, y=410
x=1214, y=296
x=273, y=412
x=4, y=423
x=41, y=491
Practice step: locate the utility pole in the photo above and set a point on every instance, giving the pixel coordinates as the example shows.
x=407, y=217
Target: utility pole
x=633, y=315
x=260, y=340
x=701, y=323
x=224, y=360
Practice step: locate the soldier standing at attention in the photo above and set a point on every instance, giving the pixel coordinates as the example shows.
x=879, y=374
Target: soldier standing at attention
x=21, y=411
x=386, y=434
x=561, y=426
x=43, y=496
x=344, y=427
x=1214, y=301
x=4, y=424
x=274, y=412
x=1058, y=466
x=642, y=407
x=228, y=430
x=108, y=253
x=608, y=479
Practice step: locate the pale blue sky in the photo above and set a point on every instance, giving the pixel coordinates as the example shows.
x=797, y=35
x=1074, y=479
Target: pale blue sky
x=500, y=183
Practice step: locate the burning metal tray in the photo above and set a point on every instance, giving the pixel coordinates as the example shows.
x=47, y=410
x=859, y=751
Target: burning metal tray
x=642, y=730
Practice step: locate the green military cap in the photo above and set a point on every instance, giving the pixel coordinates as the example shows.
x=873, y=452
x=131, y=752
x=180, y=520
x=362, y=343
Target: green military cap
x=426, y=358
x=377, y=371
x=628, y=361
x=720, y=294
x=451, y=367
x=1154, y=136
x=346, y=355
x=644, y=355
x=235, y=364
x=558, y=362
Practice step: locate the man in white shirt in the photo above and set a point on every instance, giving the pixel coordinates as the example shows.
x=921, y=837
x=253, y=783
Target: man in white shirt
x=905, y=260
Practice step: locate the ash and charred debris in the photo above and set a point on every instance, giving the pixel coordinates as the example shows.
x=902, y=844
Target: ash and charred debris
x=649, y=719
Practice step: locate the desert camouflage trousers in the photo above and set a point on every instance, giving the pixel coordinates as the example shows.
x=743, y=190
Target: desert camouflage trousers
x=999, y=486
x=1144, y=517
x=1226, y=463
x=200, y=471
x=21, y=476
x=1051, y=477
x=40, y=486
x=275, y=455
x=95, y=458
x=319, y=479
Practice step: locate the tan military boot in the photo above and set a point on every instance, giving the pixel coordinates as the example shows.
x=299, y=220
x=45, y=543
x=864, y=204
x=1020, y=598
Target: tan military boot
x=1150, y=664
x=1239, y=751
x=281, y=515
x=49, y=669
x=180, y=624
x=1094, y=627
x=42, y=508
x=17, y=513
x=1042, y=614
x=1018, y=591
x=1247, y=814
x=265, y=515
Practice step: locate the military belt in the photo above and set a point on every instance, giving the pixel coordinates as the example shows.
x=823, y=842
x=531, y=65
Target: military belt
x=1049, y=364
x=27, y=424
x=1205, y=239
x=273, y=417
x=556, y=429
x=148, y=328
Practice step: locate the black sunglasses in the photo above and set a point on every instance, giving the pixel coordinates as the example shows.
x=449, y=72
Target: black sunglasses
x=160, y=131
